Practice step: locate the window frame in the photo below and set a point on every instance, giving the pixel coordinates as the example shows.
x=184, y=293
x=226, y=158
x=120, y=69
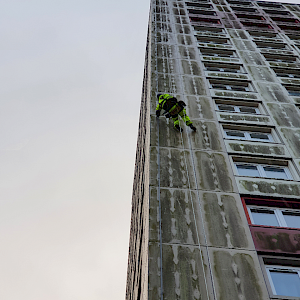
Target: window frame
x=261, y=171
x=222, y=53
x=247, y=136
x=278, y=212
x=241, y=86
x=237, y=109
x=284, y=269
x=223, y=67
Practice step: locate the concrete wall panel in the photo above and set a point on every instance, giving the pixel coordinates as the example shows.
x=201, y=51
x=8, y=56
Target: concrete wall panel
x=237, y=275
x=244, y=118
x=273, y=93
x=174, y=164
x=178, y=224
x=268, y=187
x=285, y=114
x=225, y=221
x=199, y=107
x=256, y=148
x=214, y=172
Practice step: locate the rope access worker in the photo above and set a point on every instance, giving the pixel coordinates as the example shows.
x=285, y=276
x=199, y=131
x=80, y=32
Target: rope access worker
x=173, y=108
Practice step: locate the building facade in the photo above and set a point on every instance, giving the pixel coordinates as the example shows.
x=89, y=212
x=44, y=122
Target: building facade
x=216, y=213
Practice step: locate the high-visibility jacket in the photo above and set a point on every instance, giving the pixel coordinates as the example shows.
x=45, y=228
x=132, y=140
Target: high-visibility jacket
x=170, y=104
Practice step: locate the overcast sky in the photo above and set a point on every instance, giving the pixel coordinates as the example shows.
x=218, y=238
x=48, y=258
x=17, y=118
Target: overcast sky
x=71, y=78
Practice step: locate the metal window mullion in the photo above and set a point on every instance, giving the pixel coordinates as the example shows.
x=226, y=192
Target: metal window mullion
x=247, y=136
x=250, y=214
x=280, y=218
x=271, y=281
x=288, y=173
x=261, y=171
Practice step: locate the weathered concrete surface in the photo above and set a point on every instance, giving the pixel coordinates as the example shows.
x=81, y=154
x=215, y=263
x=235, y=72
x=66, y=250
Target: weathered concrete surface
x=273, y=92
x=175, y=167
x=285, y=114
x=234, y=95
x=177, y=212
x=291, y=138
x=257, y=148
x=261, y=73
x=244, y=118
x=225, y=221
x=214, y=172
x=183, y=273
x=268, y=187
x=237, y=275
x=199, y=107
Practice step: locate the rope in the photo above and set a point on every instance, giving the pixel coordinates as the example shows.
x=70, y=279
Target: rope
x=158, y=173
x=201, y=217
x=194, y=215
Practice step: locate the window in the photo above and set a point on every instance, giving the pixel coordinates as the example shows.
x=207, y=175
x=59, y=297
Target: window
x=241, y=3
x=291, y=73
x=248, y=135
x=280, y=58
x=232, y=85
x=293, y=90
x=295, y=27
x=277, y=12
x=214, y=40
x=284, y=280
x=238, y=108
x=202, y=12
x=221, y=67
x=265, y=171
x=205, y=20
x=271, y=45
x=209, y=30
x=244, y=9
x=250, y=17
x=294, y=37
x=217, y=52
x=201, y=5
x=270, y=5
x=255, y=24
x=264, y=34
x=285, y=20
x=269, y=216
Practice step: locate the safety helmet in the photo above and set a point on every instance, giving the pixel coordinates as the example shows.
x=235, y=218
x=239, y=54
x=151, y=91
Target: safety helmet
x=158, y=95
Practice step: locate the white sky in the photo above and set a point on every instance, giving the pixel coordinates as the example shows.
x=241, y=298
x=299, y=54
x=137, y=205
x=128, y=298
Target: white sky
x=71, y=79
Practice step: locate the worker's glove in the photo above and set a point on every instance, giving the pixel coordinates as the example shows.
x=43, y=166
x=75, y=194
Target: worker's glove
x=157, y=113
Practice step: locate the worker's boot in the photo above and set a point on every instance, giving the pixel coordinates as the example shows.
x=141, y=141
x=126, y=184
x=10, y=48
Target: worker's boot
x=193, y=127
x=178, y=128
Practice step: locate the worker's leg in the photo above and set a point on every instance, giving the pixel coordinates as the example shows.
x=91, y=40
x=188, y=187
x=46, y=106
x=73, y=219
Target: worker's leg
x=175, y=120
x=176, y=123
x=185, y=117
x=187, y=120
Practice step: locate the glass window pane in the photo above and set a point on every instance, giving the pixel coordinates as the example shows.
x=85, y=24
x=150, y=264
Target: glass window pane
x=226, y=107
x=260, y=136
x=286, y=283
x=235, y=133
x=245, y=170
x=278, y=173
x=264, y=217
x=248, y=110
x=291, y=219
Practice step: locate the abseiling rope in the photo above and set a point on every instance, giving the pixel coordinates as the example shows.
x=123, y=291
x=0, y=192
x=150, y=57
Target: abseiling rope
x=158, y=169
x=201, y=217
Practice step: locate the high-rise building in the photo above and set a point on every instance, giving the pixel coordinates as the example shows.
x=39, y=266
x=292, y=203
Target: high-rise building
x=216, y=213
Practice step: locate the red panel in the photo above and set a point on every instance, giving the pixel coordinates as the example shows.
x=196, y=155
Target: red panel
x=276, y=240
